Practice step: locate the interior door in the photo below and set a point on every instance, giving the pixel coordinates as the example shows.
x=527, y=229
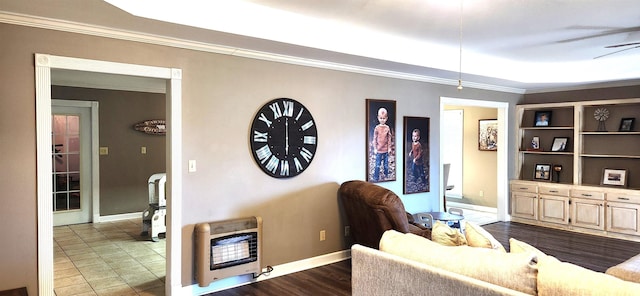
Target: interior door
x=71, y=157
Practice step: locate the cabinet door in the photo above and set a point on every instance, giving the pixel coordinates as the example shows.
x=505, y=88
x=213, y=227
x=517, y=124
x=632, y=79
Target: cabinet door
x=622, y=218
x=524, y=205
x=587, y=213
x=554, y=209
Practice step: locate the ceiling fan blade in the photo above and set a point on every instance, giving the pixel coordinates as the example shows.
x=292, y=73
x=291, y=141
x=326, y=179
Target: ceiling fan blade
x=620, y=45
x=617, y=51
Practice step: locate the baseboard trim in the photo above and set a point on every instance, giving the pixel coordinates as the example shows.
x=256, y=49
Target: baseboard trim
x=472, y=207
x=278, y=270
x=118, y=217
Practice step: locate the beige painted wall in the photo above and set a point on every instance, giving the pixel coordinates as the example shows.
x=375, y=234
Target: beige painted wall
x=124, y=172
x=480, y=168
x=220, y=97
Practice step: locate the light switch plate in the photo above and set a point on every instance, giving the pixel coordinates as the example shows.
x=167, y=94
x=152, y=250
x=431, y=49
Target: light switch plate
x=192, y=165
x=104, y=150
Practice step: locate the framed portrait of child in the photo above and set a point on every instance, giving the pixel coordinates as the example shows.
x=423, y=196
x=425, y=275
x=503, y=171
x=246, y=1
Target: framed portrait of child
x=381, y=143
x=416, y=148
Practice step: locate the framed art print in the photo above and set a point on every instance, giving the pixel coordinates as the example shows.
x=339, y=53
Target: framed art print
x=488, y=134
x=381, y=143
x=626, y=124
x=416, y=148
x=559, y=144
x=614, y=177
x=542, y=118
x=535, y=143
x=542, y=172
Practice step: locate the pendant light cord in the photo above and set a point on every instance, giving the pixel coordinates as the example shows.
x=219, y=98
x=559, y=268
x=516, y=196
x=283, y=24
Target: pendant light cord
x=460, y=57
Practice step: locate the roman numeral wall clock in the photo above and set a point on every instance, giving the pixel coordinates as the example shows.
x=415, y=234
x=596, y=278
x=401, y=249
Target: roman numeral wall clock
x=283, y=138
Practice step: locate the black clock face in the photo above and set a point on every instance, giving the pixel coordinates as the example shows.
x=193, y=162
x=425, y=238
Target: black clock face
x=283, y=138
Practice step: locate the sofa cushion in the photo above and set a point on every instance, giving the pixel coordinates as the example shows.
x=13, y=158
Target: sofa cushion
x=516, y=246
x=443, y=234
x=478, y=237
x=628, y=270
x=514, y=271
x=557, y=278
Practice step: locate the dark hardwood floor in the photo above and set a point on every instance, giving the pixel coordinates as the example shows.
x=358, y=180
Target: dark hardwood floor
x=331, y=279
x=589, y=251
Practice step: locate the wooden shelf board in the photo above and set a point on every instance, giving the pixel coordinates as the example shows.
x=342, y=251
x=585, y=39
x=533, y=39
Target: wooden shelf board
x=610, y=133
x=548, y=128
x=610, y=156
x=547, y=152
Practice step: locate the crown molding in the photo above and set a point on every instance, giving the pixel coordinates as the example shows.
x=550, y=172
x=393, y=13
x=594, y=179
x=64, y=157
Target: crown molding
x=93, y=30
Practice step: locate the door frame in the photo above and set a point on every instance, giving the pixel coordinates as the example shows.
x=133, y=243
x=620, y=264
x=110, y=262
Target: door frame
x=44, y=64
x=94, y=174
x=502, y=153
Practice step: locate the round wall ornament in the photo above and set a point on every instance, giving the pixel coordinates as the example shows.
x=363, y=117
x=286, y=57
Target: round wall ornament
x=283, y=138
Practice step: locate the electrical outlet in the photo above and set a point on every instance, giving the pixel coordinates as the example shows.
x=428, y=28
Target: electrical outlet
x=347, y=230
x=323, y=235
x=143, y=150
x=481, y=193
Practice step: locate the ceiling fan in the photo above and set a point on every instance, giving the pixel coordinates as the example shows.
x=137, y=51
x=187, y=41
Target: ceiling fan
x=632, y=46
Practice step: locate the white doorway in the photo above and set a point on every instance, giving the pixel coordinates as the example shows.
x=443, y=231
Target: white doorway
x=172, y=79
x=74, y=141
x=502, y=154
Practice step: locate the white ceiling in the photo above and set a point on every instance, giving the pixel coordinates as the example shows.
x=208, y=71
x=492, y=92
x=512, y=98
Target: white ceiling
x=529, y=44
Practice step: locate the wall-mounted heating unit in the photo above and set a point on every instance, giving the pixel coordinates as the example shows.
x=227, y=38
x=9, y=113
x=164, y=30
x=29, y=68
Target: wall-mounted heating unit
x=227, y=248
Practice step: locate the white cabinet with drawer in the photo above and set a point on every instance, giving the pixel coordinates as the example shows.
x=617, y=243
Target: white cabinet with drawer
x=612, y=212
x=524, y=200
x=553, y=203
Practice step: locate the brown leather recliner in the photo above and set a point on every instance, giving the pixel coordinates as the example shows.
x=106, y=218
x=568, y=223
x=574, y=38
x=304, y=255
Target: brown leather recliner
x=371, y=210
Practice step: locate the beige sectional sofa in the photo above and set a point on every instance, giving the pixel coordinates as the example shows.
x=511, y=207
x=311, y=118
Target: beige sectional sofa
x=407, y=264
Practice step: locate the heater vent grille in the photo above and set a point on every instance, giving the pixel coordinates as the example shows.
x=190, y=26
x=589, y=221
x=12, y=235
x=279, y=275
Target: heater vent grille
x=227, y=248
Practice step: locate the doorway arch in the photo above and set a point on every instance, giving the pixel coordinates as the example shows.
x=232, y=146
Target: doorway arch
x=44, y=64
x=502, y=153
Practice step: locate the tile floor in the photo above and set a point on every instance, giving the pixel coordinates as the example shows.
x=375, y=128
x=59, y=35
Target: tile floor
x=107, y=259
x=479, y=217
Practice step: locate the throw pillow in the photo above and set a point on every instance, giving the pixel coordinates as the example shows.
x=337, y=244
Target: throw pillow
x=628, y=270
x=443, y=234
x=557, y=278
x=513, y=271
x=517, y=246
x=480, y=238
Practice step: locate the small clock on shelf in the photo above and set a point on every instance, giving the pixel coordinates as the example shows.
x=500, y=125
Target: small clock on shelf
x=601, y=115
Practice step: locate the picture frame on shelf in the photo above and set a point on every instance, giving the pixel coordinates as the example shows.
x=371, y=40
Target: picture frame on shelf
x=614, y=177
x=542, y=171
x=535, y=144
x=626, y=124
x=559, y=144
x=542, y=118
x=488, y=134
